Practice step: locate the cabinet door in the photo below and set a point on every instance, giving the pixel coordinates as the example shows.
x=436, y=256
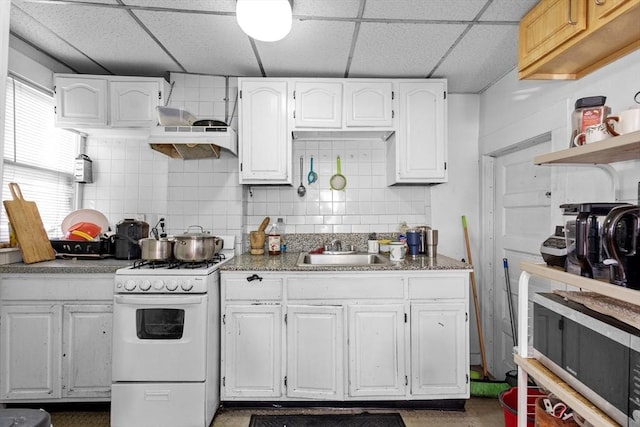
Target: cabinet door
x=318, y=105
x=133, y=103
x=265, y=140
x=420, y=141
x=368, y=104
x=439, y=350
x=86, y=343
x=30, y=338
x=315, y=352
x=252, y=353
x=377, y=350
x=81, y=101
x=547, y=26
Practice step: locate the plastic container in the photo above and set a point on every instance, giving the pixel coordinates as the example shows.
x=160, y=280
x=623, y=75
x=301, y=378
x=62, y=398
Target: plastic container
x=281, y=229
x=509, y=402
x=168, y=116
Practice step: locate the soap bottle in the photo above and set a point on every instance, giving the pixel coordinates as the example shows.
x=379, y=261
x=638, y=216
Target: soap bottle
x=273, y=240
x=281, y=228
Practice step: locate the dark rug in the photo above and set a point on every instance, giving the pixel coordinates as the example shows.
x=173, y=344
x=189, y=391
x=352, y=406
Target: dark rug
x=335, y=420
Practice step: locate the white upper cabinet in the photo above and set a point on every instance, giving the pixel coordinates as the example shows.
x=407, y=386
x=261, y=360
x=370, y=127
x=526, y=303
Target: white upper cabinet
x=343, y=104
x=133, y=103
x=265, y=141
x=318, y=105
x=368, y=104
x=95, y=102
x=416, y=154
x=81, y=101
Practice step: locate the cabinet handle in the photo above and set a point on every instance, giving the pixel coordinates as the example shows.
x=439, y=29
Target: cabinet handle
x=254, y=277
x=599, y=2
x=569, y=10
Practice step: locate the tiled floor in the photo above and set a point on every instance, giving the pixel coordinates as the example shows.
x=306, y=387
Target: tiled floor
x=479, y=412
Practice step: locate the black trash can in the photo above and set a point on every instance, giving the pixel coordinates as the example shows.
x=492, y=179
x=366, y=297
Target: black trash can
x=23, y=417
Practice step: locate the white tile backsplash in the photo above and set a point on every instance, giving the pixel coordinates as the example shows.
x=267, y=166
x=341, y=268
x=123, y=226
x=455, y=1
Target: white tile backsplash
x=131, y=178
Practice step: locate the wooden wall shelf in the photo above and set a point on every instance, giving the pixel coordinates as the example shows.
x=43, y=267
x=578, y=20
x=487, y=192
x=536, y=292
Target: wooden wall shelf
x=551, y=382
x=616, y=149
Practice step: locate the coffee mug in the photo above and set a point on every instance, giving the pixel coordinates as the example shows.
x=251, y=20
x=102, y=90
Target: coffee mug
x=627, y=121
x=373, y=247
x=398, y=251
x=591, y=134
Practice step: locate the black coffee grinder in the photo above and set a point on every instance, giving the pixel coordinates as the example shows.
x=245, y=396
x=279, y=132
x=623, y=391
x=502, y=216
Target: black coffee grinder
x=128, y=233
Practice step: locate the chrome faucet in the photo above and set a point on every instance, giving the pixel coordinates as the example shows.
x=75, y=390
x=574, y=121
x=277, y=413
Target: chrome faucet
x=334, y=246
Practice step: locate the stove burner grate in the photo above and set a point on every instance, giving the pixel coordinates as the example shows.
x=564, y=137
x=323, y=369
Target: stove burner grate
x=176, y=264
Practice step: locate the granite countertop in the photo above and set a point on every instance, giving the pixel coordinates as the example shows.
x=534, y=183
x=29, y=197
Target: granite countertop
x=287, y=262
x=67, y=266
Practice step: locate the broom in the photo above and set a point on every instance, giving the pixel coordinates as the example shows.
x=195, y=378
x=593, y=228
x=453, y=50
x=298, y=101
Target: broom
x=481, y=386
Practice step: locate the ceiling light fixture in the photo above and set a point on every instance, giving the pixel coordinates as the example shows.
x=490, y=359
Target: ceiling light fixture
x=265, y=20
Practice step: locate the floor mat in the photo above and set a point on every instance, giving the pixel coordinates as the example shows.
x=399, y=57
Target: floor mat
x=331, y=420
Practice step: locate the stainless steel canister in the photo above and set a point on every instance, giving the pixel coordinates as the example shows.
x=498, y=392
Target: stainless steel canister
x=432, y=243
x=422, y=229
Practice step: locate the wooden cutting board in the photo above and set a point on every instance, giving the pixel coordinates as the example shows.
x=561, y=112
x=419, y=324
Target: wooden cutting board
x=27, y=225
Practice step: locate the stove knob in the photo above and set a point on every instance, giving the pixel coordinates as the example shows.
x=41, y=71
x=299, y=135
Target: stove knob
x=130, y=285
x=158, y=284
x=145, y=285
x=172, y=285
x=186, y=285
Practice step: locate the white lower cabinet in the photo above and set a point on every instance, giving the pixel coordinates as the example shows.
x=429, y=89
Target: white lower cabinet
x=315, y=352
x=376, y=350
x=439, y=362
x=252, y=346
x=55, y=338
x=344, y=336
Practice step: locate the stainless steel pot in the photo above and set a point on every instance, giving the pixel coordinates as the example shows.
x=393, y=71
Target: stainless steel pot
x=196, y=247
x=156, y=249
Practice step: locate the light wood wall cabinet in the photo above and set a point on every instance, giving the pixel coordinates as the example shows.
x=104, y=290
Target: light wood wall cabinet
x=568, y=39
x=55, y=338
x=343, y=336
x=96, y=102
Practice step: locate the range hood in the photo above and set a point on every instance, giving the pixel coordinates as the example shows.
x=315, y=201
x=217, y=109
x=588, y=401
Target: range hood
x=193, y=142
x=341, y=134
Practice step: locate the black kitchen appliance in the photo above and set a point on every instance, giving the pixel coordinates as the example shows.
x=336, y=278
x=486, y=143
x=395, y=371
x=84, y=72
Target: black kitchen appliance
x=103, y=247
x=621, y=239
x=128, y=233
x=583, y=230
x=595, y=354
x=554, y=248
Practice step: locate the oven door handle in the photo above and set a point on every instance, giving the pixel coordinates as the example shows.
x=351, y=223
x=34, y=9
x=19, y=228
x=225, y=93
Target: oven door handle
x=160, y=300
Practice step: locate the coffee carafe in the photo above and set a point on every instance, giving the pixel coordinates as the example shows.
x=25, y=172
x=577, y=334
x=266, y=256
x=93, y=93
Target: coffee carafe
x=621, y=234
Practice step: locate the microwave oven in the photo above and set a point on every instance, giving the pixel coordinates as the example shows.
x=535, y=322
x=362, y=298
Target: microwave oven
x=595, y=354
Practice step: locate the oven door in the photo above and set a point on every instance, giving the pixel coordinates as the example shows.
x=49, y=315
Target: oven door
x=159, y=337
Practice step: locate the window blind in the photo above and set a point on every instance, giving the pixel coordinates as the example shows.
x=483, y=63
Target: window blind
x=37, y=156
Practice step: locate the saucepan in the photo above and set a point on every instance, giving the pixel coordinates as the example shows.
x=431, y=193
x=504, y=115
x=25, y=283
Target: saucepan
x=152, y=249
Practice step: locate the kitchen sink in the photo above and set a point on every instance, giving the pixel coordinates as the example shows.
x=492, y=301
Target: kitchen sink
x=306, y=259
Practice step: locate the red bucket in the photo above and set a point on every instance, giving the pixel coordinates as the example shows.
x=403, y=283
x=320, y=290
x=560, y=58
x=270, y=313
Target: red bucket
x=509, y=402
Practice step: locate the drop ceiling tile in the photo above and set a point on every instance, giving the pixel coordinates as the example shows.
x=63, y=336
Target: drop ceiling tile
x=228, y=6
x=205, y=44
x=401, y=50
x=312, y=48
x=333, y=8
x=108, y=36
x=424, y=9
x=26, y=28
x=485, y=54
x=507, y=10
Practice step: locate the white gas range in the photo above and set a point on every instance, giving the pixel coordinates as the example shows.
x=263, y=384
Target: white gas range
x=166, y=351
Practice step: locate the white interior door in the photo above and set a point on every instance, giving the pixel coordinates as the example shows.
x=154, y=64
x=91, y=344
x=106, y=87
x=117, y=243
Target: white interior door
x=521, y=223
